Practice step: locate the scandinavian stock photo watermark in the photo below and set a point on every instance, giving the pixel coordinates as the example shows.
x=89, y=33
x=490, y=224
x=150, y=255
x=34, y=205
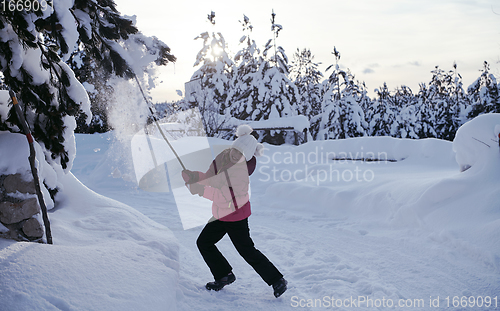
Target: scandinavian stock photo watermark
x=319, y=166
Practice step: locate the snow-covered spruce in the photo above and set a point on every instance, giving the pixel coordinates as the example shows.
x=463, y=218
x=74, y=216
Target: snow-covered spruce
x=35, y=48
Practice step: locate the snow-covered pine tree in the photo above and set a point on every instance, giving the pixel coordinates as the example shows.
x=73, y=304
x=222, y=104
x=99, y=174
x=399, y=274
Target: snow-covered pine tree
x=382, y=114
x=444, y=96
x=426, y=111
x=306, y=76
x=407, y=123
x=46, y=87
x=34, y=46
x=360, y=92
x=341, y=113
x=210, y=84
x=277, y=94
x=142, y=51
x=243, y=96
x=459, y=98
x=484, y=94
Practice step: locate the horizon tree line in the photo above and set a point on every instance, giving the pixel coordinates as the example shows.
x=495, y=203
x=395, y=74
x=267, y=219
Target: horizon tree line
x=262, y=84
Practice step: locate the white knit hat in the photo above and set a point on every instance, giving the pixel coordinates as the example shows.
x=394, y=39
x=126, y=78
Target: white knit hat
x=246, y=143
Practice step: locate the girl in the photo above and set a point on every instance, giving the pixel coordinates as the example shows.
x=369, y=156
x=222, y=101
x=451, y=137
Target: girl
x=226, y=183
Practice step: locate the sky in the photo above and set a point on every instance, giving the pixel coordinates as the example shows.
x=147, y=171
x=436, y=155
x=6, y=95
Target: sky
x=394, y=41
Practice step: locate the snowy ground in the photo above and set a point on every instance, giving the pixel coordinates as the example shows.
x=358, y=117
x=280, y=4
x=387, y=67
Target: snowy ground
x=399, y=233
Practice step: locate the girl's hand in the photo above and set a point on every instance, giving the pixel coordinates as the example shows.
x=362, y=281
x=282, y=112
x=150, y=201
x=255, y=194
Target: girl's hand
x=190, y=177
x=196, y=189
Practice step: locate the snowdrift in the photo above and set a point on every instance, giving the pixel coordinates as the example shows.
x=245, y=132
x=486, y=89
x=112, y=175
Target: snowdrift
x=477, y=142
x=383, y=183
x=106, y=255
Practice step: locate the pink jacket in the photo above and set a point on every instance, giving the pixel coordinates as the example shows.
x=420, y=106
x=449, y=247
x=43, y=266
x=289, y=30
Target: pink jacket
x=226, y=185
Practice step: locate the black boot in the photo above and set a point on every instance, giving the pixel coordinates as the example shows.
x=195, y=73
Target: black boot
x=220, y=283
x=279, y=287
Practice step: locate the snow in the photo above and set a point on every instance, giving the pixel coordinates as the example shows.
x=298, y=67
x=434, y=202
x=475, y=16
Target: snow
x=84, y=21
x=100, y=247
x=77, y=91
x=476, y=142
x=89, y=87
x=338, y=220
x=8, y=35
x=298, y=123
x=31, y=63
x=126, y=109
x=106, y=256
x=4, y=104
x=16, y=162
x=67, y=20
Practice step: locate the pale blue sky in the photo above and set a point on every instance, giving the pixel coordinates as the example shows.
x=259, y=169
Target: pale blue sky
x=393, y=41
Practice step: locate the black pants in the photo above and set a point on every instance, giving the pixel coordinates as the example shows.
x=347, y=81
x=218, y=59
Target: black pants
x=239, y=233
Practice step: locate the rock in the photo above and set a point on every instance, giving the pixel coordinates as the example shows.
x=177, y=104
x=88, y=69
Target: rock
x=15, y=212
x=13, y=235
x=13, y=183
x=32, y=228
